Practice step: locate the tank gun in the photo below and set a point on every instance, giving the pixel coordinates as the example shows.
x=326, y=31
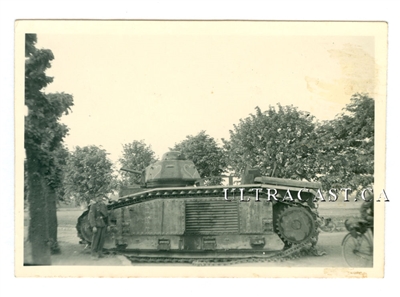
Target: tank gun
x=131, y=170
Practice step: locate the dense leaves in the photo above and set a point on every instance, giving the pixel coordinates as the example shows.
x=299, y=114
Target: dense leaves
x=56, y=175
x=135, y=156
x=346, y=146
x=43, y=131
x=207, y=156
x=89, y=173
x=279, y=141
x=289, y=143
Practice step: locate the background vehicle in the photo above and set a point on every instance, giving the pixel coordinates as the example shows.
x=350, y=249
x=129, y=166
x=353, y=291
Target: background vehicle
x=327, y=225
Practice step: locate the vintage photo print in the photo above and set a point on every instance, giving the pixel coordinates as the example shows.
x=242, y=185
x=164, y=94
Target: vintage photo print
x=200, y=148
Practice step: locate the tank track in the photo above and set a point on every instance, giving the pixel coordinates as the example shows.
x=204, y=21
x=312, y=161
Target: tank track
x=294, y=251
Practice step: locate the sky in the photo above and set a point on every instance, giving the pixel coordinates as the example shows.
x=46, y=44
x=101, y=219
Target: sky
x=160, y=82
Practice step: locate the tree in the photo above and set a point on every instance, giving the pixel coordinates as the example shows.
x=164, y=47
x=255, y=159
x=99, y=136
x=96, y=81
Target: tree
x=136, y=156
x=43, y=135
x=280, y=142
x=61, y=156
x=206, y=155
x=346, y=146
x=89, y=173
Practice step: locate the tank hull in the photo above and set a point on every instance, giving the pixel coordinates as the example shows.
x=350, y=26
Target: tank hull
x=196, y=219
x=196, y=224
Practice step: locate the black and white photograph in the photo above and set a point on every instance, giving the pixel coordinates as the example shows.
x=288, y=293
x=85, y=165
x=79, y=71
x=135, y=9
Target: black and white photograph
x=178, y=148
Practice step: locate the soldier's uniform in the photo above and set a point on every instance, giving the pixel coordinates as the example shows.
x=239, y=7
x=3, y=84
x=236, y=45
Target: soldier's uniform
x=367, y=213
x=98, y=217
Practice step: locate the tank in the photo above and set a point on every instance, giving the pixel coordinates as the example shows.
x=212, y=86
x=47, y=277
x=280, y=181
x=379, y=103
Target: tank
x=170, y=215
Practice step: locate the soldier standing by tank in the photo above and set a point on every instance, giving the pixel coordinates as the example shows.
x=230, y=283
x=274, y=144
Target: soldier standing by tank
x=367, y=210
x=98, y=219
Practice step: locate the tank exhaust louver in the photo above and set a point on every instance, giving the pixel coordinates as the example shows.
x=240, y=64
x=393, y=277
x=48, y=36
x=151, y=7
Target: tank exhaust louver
x=211, y=217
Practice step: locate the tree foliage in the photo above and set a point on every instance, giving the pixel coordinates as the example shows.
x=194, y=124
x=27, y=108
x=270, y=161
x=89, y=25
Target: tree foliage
x=88, y=173
x=43, y=131
x=135, y=156
x=279, y=141
x=346, y=146
x=207, y=156
x=43, y=136
x=56, y=176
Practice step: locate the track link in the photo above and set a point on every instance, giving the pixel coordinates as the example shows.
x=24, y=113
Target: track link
x=292, y=253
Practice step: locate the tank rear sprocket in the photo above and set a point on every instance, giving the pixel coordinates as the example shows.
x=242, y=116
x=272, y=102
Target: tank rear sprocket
x=295, y=224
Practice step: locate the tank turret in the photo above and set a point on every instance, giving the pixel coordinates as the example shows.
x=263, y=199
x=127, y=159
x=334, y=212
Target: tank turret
x=172, y=171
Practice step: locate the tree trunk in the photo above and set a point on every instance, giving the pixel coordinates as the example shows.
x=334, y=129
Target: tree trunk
x=51, y=201
x=38, y=230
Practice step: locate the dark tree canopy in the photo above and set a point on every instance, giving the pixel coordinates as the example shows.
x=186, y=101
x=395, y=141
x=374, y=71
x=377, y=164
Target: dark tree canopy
x=346, y=146
x=43, y=131
x=56, y=175
x=207, y=156
x=135, y=156
x=279, y=141
x=89, y=173
x=43, y=136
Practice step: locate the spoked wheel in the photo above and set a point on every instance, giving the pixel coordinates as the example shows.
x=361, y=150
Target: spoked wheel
x=357, y=251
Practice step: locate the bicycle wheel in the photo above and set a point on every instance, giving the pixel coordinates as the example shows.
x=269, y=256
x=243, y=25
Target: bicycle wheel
x=357, y=251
